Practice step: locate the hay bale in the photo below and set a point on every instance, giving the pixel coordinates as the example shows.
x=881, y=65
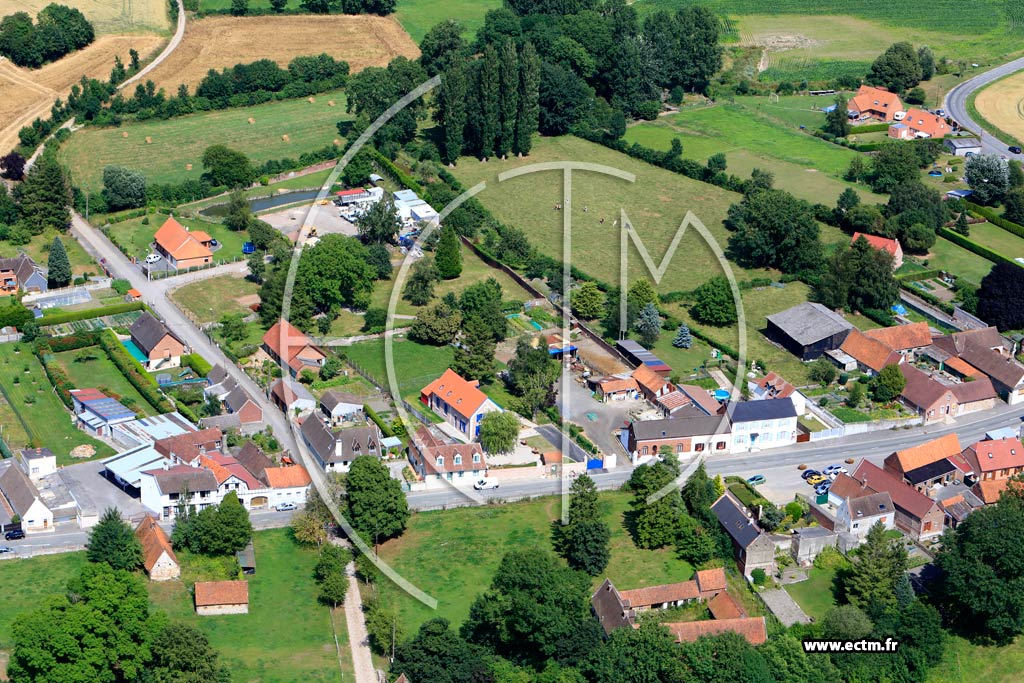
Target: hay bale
x=337, y=142
x=149, y=140
x=311, y=100
x=188, y=167
x=124, y=133
x=285, y=137
x=251, y=120
x=330, y=103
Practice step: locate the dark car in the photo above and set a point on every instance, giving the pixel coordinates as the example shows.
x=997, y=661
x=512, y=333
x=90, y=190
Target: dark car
x=14, y=534
x=1015, y=149
x=809, y=473
x=248, y=248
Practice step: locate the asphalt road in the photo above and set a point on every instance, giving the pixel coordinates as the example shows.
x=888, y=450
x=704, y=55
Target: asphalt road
x=955, y=105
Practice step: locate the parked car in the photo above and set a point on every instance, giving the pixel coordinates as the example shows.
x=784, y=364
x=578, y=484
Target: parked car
x=214, y=243
x=284, y=507
x=153, y=258
x=834, y=470
x=248, y=248
x=14, y=534
x=485, y=484
x=817, y=479
x=822, y=488
x=810, y=473
x=756, y=480
x=6, y=549
x=1015, y=149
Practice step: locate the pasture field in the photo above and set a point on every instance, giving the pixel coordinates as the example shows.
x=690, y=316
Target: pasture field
x=35, y=403
x=656, y=203
x=802, y=181
x=26, y=582
x=416, y=365
x=418, y=16
x=91, y=367
x=453, y=554
x=1000, y=106
x=106, y=16
x=181, y=141
x=27, y=94
x=211, y=299
x=217, y=42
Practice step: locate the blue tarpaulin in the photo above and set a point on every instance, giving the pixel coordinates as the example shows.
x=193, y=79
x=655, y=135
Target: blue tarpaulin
x=899, y=309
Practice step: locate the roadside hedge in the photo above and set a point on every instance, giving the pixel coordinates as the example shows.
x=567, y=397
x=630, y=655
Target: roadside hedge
x=372, y=414
x=73, y=316
x=995, y=219
x=134, y=372
x=197, y=363
x=979, y=249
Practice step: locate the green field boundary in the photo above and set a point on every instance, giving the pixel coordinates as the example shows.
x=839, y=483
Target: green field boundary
x=17, y=413
x=987, y=125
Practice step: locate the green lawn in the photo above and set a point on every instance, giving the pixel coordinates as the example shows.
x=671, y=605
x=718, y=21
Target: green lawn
x=453, y=554
x=209, y=300
x=286, y=636
x=101, y=373
x=955, y=259
x=418, y=16
x=43, y=416
x=180, y=141
x=994, y=237
x=25, y=582
x=38, y=249
x=137, y=236
x=656, y=203
x=964, y=662
x=416, y=365
x=815, y=594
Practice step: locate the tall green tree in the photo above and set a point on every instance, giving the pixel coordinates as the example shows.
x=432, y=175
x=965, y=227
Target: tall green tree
x=532, y=373
x=419, y=288
x=498, y=432
x=584, y=540
x=381, y=223
x=888, y=384
x=44, y=198
x=123, y=188
x=438, y=654
x=436, y=325
x=898, y=68
x=227, y=530
x=490, y=101
x=774, y=229
x=482, y=302
x=893, y=165
x=474, y=358
x=694, y=543
x=654, y=523
x=508, y=84
x=528, y=116
x=227, y=167
x=451, y=111
x=988, y=176
x=648, y=325
x=836, y=121
x=699, y=50
x=113, y=541
x=182, y=654
x=714, y=303
x=587, y=301
x=58, y=273
x=1000, y=296
x=648, y=654
x=442, y=47
x=880, y=564
x=376, y=504
x=330, y=575
x=448, y=255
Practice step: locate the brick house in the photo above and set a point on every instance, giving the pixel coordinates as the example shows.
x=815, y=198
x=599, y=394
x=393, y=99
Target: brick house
x=871, y=355
x=181, y=249
x=159, y=345
x=288, y=345
x=919, y=123
x=706, y=435
x=874, y=103
x=437, y=461
x=994, y=461
x=221, y=597
x=918, y=515
x=889, y=246
x=754, y=548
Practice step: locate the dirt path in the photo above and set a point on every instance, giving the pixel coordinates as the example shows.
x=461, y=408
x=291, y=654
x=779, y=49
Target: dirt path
x=355, y=621
x=179, y=34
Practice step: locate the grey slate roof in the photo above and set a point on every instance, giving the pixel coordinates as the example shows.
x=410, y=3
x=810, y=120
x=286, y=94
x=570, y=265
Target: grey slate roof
x=679, y=427
x=1002, y=369
x=236, y=399
x=608, y=607
x=807, y=323
x=319, y=438
x=354, y=442
x=768, y=409
x=25, y=269
x=147, y=332
x=216, y=374
x=16, y=487
x=253, y=460
x=330, y=400
x=734, y=520
x=870, y=506
x=177, y=479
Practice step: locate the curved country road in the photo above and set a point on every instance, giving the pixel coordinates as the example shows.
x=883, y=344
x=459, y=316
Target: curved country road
x=955, y=105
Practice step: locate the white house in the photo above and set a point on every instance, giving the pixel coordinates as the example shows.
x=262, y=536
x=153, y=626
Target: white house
x=437, y=462
x=856, y=515
x=338, y=406
x=38, y=462
x=459, y=402
x=20, y=498
x=770, y=423
x=335, y=450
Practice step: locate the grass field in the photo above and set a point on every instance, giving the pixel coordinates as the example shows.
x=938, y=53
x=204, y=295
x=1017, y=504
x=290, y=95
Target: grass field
x=994, y=237
x=180, y=141
x=801, y=178
x=137, y=236
x=416, y=365
x=26, y=582
x=418, y=16
x=453, y=554
x=955, y=259
x=217, y=42
x=211, y=299
x=27, y=94
x=999, y=106
x=42, y=415
x=106, y=16
x=656, y=204
x=99, y=372
x=815, y=594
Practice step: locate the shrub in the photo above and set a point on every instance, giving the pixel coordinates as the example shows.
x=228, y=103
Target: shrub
x=385, y=429
x=794, y=510
x=759, y=577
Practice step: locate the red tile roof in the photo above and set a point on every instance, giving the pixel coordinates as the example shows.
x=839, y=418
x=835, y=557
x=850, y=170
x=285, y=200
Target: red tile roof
x=870, y=99
x=869, y=352
x=844, y=486
x=990, y=490
x=903, y=497
x=775, y=386
x=921, y=389
x=463, y=395
x=919, y=120
x=963, y=367
x=701, y=397
x=723, y=606
x=995, y=454
x=878, y=242
x=287, y=477
x=903, y=337
x=649, y=379
x=212, y=593
x=674, y=400
x=611, y=385
x=173, y=238
x=154, y=542
x=751, y=628
x=709, y=580
x=656, y=595
x=928, y=452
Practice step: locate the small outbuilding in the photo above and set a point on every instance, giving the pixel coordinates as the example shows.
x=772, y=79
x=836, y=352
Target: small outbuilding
x=961, y=147
x=808, y=330
x=221, y=597
x=247, y=559
x=157, y=555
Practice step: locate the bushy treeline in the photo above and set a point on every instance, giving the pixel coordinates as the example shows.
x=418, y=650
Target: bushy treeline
x=242, y=8
x=57, y=31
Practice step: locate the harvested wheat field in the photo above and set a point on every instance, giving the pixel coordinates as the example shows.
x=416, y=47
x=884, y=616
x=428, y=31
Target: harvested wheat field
x=107, y=16
x=1002, y=105
x=27, y=94
x=217, y=42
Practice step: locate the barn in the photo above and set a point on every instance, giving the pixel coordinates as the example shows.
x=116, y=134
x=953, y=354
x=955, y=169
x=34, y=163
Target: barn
x=808, y=330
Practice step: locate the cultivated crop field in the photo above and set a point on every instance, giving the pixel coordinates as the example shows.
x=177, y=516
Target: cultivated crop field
x=178, y=142
x=27, y=94
x=217, y=42
x=1002, y=105
x=656, y=205
x=106, y=16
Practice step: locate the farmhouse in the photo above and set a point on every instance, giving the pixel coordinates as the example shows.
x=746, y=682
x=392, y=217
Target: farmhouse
x=287, y=345
x=808, y=330
x=932, y=463
x=157, y=555
x=709, y=434
x=221, y=597
x=335, y=450
x=20, y=498
x=22, y=273
x=769, y=423
x=436, y=461
x=919, y=124
x=907, y=340
x=181, y=249
x=615, y=609
x=160, y=347
x=889, y=246
x=871, y=355
x=754, y=548
x=874, y=103
x=459, y=402
x=961, y=147
x=994, y=462
x=916, y=514
x=338, y=406
x=652, y=385
x=96, y=413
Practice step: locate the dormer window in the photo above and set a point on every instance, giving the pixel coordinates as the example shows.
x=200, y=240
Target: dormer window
x=476, y=457
x=439, y=461
x=458, y=459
